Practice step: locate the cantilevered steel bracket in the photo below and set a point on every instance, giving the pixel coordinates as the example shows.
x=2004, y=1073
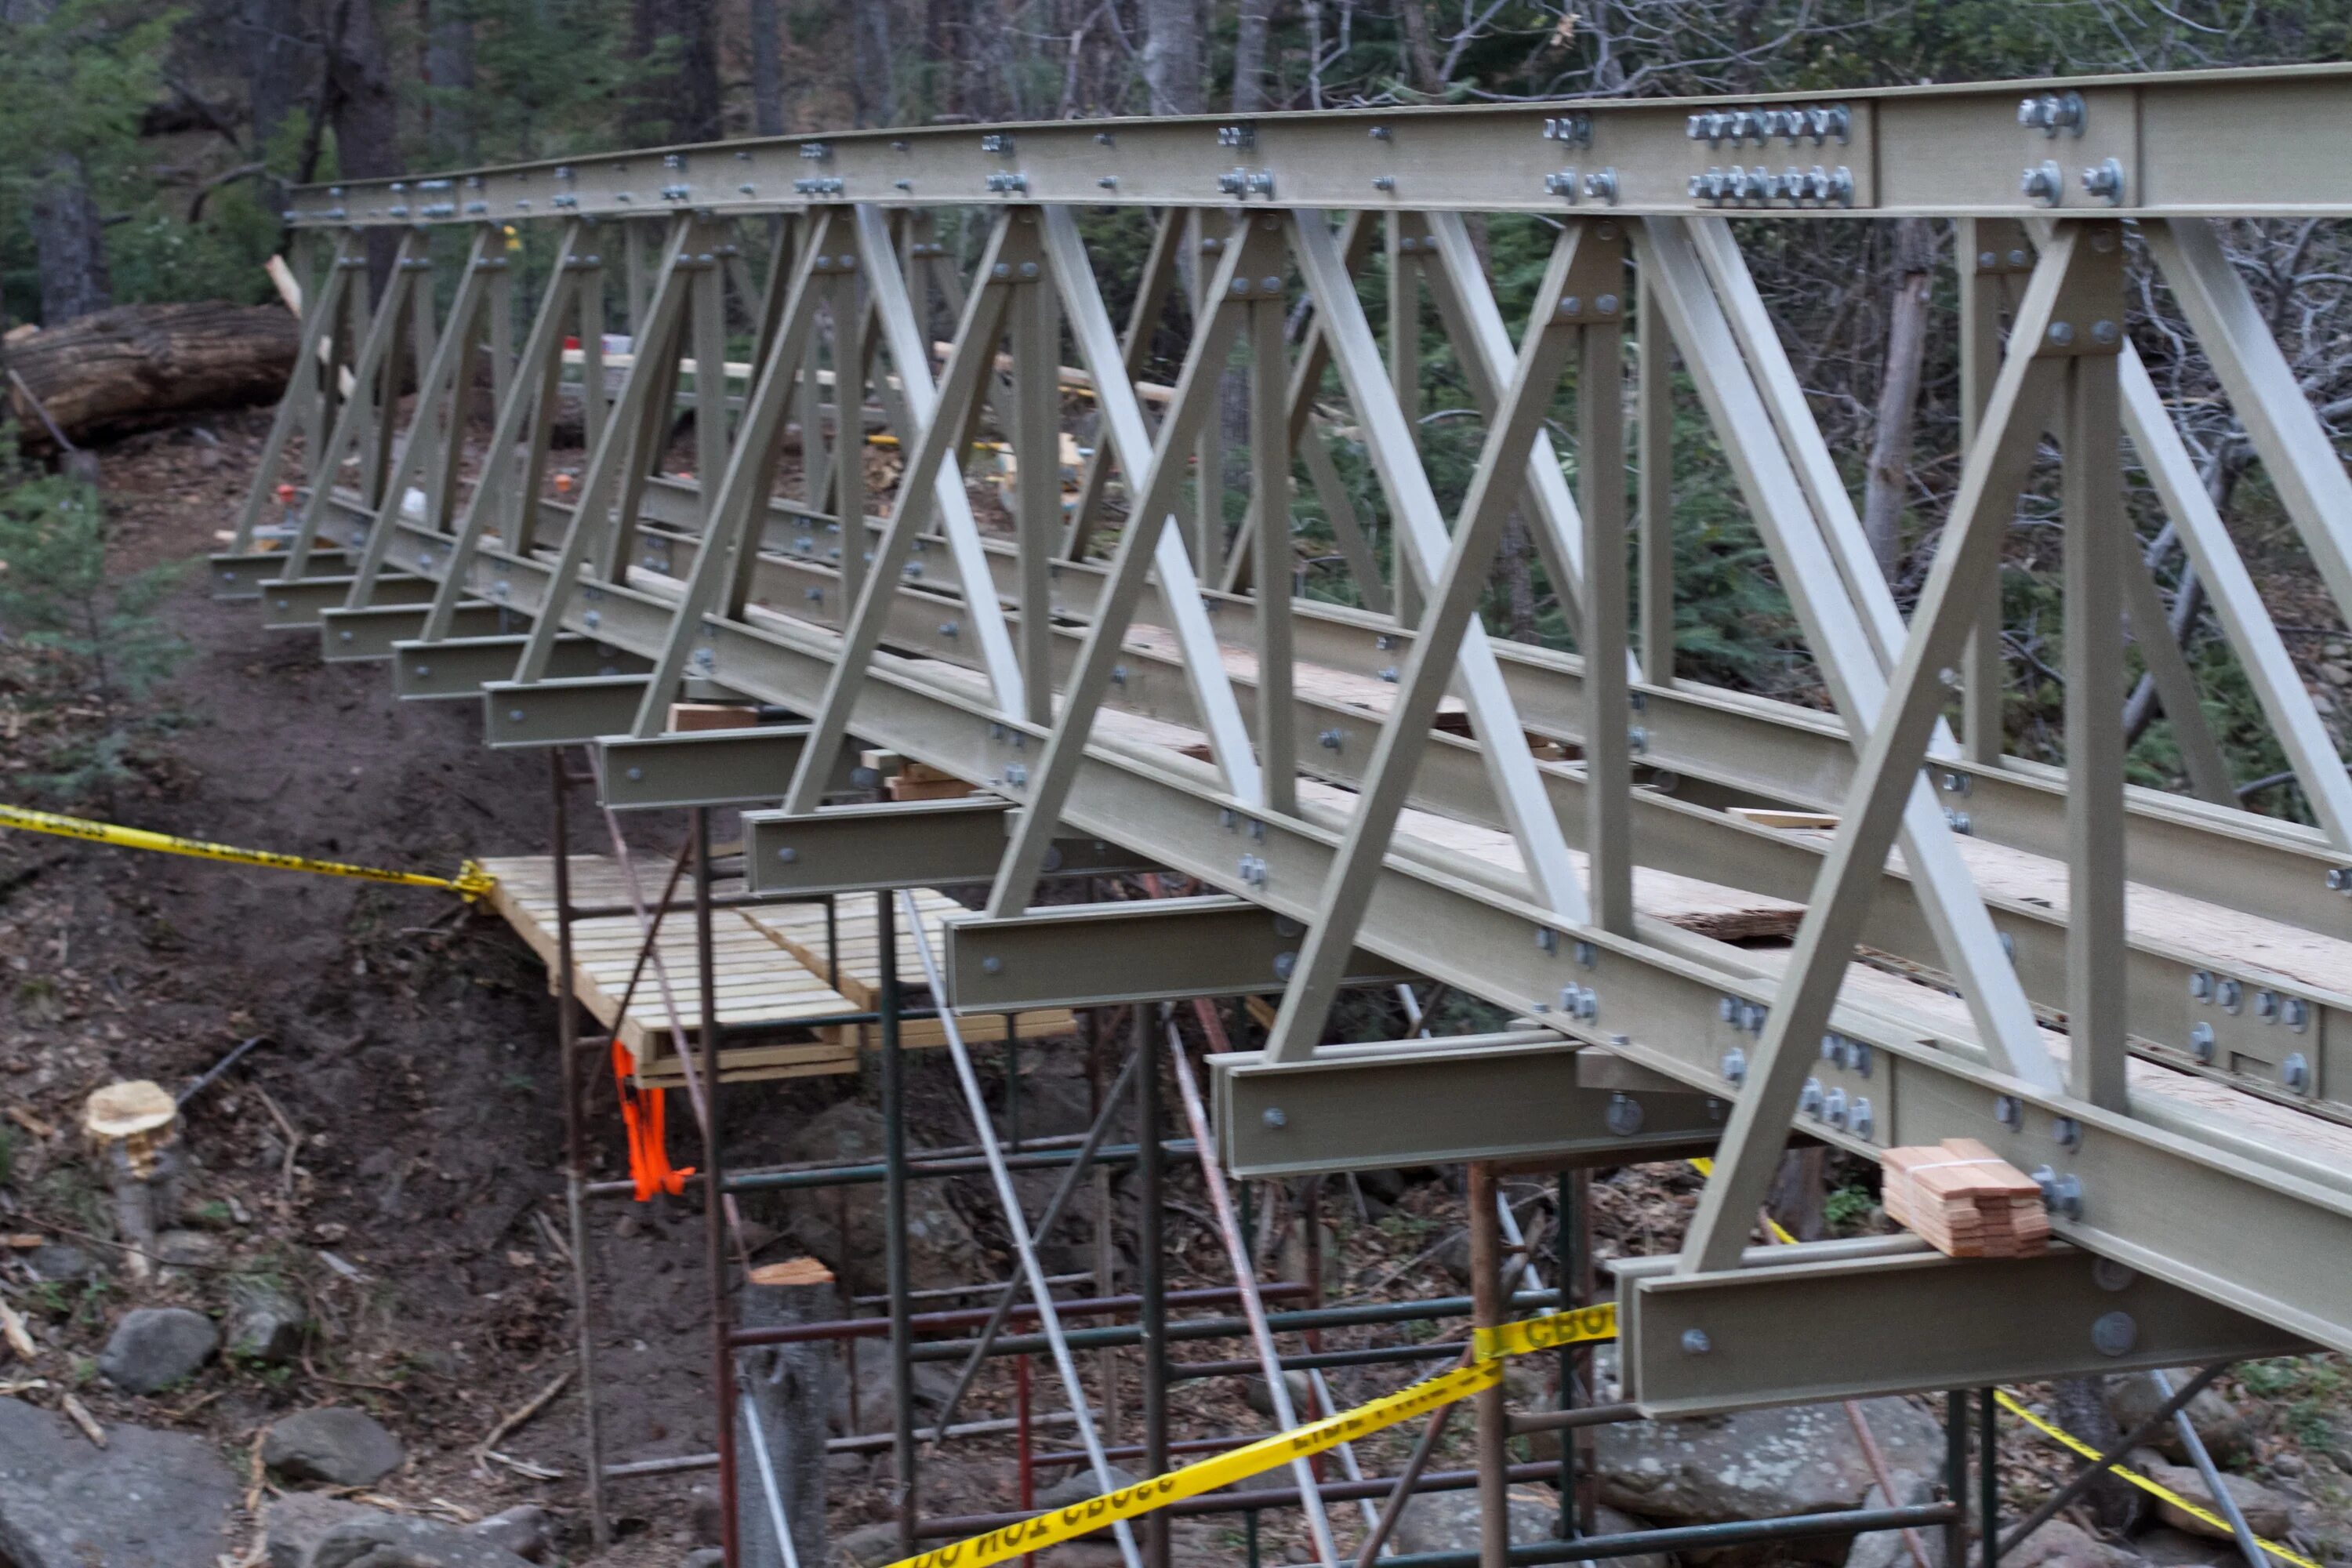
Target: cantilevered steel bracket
x=903, y=844
x=1512, y=1097
x=1144, y=949
x=1845, y=1320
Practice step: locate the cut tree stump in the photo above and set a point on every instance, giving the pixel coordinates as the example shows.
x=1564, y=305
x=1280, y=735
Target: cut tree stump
x=135, y=366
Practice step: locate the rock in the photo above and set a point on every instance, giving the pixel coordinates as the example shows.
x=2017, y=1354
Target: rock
x=2059, y=1545
x=1260, y=1395
x=940, y=1248
x=846, y=1469
x=401, y=1540
x=2169, y=1548
x=2271, y=1513
x=1886, y=1547
x=1080, y=1485
x=867, y=1546
x=933, y=1381
x=2133, y=1397
x=57, y=1262
x=189, y=1249
x=334, y=1444
x=1448, y=1521
x=154, y=1347
x=1760, y=1464
x=2336, y=674
x=293, y=1525
x=265, y=1323
x=526, y=1531
x=705, y=1557
x=147, y=1499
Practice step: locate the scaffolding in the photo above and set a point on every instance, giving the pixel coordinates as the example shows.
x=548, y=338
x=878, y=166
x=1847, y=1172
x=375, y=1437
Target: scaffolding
x=1234, y=788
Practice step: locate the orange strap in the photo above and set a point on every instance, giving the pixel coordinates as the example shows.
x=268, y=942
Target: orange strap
x=645, y=1114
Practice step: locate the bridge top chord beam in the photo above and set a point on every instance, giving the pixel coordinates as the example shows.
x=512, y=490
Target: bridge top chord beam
x=2199, y=143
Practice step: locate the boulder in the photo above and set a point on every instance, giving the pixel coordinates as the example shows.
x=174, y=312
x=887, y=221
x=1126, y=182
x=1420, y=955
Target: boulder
x=2168, y=1548
x=933, y=1381
x=1886, y=1547
x=526, y=1531
x=147, y=1499
x=940, y=1248
x=401, y=1540
x=57, y=1262
x=335, y=1444
x=1762, y=1464
x=2270, y=1512
x=154, y=1347
x=2062, y=1544
x=867, y=1546
x=293, y=1525
x=2133, y=1397
x=1448, y=1521
x=189, y=1249
x=265, y=1323
x=1080, y=1485
x=1260, y=1395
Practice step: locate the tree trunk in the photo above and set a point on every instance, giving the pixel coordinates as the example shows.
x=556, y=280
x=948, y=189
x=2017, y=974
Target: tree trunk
x=70, y=244
x=1250, y=96
x=1519, y=579
x=1171, y=56
x=134, y=364
x=366, y=117
x=68, y=241
x=1421, y=56
x=699, y=104
x=874, y=98
x=449, y=80
x=1899, y=392
x=681, y=104
x=767, y=68
x=276, y=67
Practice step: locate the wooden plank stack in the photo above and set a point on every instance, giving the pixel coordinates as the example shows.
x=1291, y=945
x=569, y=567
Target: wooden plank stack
x=1965, y=1200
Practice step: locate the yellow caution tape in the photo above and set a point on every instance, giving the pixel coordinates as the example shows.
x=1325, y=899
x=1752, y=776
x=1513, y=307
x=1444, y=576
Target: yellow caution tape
x=1096, y=1513
x=1706, y=1167
x=2163, y=1494
x=470, y=883
x=1577, y=1325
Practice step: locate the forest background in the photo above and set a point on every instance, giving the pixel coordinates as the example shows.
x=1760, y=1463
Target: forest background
x=144, y=151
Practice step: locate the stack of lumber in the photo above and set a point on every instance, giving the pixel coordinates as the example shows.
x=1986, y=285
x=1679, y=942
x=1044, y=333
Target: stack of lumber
x=1965, y=1200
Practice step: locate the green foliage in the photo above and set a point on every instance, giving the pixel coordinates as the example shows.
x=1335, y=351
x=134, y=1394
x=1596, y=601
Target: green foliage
x=81, y=641
x=1848, y=1209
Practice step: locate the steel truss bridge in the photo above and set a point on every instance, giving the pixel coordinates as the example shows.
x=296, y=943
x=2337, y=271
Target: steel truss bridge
x=2143, y=997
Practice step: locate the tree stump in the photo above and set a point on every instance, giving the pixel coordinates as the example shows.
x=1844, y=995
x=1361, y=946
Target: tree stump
x=786, y=1390
x=134, y=1133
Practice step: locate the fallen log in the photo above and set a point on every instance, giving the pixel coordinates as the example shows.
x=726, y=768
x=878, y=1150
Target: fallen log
x=135, y=365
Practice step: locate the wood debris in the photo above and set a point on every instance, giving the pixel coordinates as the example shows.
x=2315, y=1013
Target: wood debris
x=81, y=1417
x=1965, y=1200
x=13, y=1329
